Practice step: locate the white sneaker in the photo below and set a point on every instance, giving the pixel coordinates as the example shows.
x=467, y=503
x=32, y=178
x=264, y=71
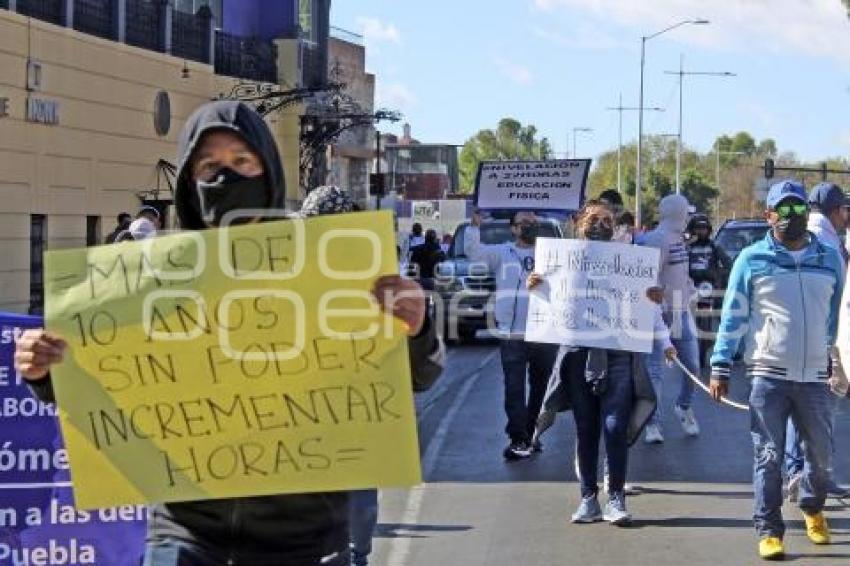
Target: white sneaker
x=653, y=434
x=688, y=420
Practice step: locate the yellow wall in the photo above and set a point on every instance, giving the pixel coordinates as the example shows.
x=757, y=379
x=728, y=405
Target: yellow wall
x=104, y=148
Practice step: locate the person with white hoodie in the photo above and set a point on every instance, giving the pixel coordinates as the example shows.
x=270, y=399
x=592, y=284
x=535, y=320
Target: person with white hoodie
x=677, y=289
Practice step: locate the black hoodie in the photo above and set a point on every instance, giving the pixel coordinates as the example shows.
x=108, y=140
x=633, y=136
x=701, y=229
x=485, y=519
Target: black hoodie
x=286, y=529
x=240, y=119
x=290, y=530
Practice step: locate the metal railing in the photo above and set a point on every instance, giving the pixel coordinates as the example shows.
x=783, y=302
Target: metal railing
x=190, y=35
x=144, y=28
x=349, y=36
x=245, y=57
x=95, y=17
x=47, y=10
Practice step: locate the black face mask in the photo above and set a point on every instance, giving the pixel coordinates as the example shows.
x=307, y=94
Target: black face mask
x=229, y=191
x=601, y=231
x=791, y=229
x=528, y=232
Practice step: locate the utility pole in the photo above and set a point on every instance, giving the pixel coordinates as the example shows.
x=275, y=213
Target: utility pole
x=681, y=73
x=380, y=180
x=620, y=109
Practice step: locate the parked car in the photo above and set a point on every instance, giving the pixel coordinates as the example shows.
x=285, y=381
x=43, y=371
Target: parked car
x=465, y=288
x=735, y=235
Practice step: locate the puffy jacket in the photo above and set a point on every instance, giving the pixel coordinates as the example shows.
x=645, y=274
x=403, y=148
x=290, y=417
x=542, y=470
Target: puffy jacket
x=780, y=314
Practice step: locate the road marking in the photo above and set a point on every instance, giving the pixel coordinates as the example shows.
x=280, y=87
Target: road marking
x=400, y=546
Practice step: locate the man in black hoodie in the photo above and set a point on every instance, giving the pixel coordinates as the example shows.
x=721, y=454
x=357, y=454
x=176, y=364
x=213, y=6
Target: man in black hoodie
x=230, y=171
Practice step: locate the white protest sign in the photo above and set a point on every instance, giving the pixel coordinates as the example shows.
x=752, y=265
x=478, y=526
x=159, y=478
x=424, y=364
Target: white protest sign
x=556, y=184
x=593, y=295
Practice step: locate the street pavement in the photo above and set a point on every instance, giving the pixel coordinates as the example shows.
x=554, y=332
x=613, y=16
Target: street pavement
x=693, y=507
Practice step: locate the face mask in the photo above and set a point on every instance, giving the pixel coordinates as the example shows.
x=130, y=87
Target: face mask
x=528, y=232
x=601, y=231
x=229, y=191
x=792, y=228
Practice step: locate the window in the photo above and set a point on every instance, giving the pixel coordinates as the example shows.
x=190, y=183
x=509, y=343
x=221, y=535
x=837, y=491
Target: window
x=92, y=230
x=192, y=7
x=306, y=10
x=38, y=244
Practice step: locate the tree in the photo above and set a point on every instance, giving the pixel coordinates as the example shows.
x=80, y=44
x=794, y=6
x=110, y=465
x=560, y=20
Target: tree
x=510, y=140
x=847, y=3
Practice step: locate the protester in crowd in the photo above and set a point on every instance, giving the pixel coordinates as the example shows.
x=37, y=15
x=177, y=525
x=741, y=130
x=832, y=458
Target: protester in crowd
x=229, y=163
x=426, y=257
x=142, y=229
x=446, y=244
x=827, y=219
x=600, y=387
x=152, y=214
x=624, y=231
x=416, y=238
x=781, y=309
x=511, y=263
x=124, y=220
x=707, y=266
x=613, y=199
x=678, y=289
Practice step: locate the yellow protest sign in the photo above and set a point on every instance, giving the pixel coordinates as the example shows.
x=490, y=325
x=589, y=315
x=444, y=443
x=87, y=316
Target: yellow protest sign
x=228, y=363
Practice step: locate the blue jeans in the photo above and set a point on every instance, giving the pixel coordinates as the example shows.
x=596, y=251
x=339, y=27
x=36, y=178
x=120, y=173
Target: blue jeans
x=170, y=552
x=684, y=338
x=363, y=516
x=794, y=460
x=606, y=414
x=523, y=361
x=772, y=402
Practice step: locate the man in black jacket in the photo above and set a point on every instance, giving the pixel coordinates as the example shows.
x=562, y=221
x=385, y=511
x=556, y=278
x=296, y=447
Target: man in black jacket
x=708, y=267
x=229, y=163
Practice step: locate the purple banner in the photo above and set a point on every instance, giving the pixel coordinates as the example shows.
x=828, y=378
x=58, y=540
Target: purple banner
x=38, y=522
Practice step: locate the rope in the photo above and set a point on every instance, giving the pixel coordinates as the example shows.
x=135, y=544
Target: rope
x=702, y=386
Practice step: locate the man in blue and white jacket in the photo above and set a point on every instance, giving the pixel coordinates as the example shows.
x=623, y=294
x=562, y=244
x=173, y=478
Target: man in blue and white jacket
x=781, y=312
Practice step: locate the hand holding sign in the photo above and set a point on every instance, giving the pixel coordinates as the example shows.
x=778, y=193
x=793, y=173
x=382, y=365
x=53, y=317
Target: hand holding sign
x=36, y=351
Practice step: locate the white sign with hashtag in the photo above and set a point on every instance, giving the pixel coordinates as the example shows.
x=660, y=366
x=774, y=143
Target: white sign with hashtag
x=593, y=295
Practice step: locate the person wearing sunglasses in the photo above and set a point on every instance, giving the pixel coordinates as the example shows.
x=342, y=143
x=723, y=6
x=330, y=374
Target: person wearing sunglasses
x=781, y=311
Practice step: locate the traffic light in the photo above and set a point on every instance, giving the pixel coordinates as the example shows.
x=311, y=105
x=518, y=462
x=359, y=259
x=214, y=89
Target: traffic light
x=376, y=184
x=768, y=168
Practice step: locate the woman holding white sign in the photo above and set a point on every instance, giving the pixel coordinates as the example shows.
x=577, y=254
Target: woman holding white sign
x=603, y=388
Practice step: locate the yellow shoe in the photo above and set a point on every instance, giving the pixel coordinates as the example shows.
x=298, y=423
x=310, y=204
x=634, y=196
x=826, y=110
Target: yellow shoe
x=816, y=528
x=771, y=548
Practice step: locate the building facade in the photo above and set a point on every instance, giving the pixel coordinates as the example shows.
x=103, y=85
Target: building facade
x=93, y=94
x=351, y=155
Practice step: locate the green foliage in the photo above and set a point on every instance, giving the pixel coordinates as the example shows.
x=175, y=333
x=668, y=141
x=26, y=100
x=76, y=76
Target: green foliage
x=510, y=140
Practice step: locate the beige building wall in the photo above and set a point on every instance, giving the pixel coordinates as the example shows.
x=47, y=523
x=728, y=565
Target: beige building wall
x=103, y=150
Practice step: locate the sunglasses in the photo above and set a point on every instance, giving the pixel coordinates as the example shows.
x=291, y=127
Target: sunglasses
x=786, y=210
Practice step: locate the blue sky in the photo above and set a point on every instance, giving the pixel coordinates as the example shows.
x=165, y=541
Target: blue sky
x=454, y=67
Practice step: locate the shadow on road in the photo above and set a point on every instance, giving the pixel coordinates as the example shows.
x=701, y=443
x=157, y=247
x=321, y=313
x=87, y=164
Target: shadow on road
x=398, y=530
x=640, y=490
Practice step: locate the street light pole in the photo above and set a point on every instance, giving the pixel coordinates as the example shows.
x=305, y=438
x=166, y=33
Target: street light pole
x=620, y=109
x=575, y=133
x=643, y=40
x=681, y=72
